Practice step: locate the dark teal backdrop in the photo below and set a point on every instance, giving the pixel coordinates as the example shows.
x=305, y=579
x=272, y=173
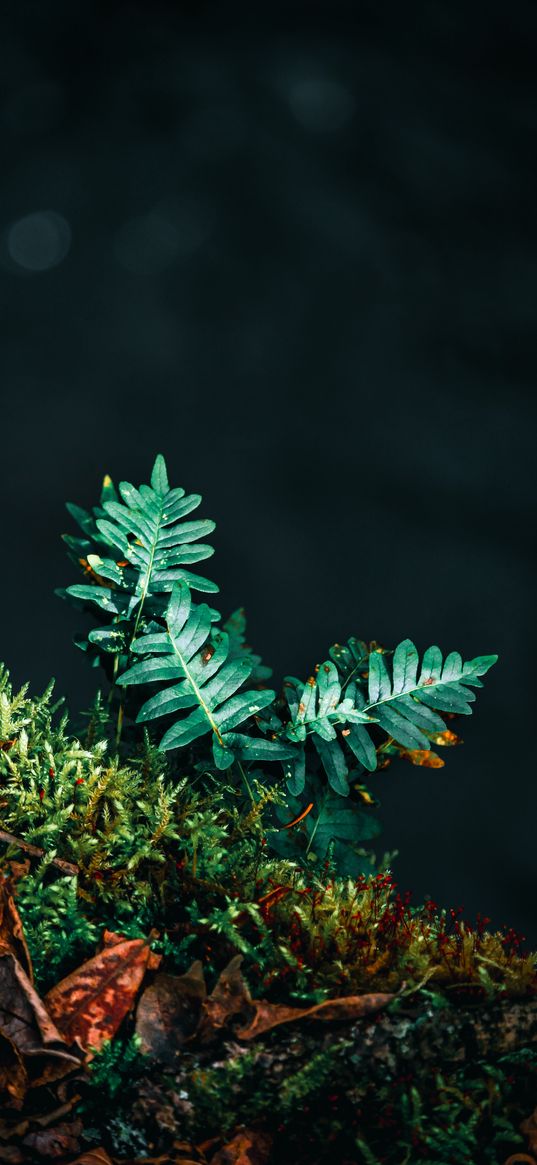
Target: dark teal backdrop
x=294, y=249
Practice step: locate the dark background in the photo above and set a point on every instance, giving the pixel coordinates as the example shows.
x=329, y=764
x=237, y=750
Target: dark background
x=293, y=249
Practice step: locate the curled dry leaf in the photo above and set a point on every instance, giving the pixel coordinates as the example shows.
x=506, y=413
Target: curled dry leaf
x=93, y=1157
x=11, y=1155
x=181, y=1153
x=90, y=1004
x=32, y=1049
x=246, y=1148
x=165, y=1159
x=55, y=1142
x=269, y=1015
x=11, y=930
x=169, y=1011
x=529, y=1128
x=229, y=997
x=13, y=1074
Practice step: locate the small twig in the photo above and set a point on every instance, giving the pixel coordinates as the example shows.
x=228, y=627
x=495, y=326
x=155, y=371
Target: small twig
x=35, y=851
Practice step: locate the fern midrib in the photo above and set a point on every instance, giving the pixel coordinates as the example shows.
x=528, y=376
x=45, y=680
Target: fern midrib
x=197, y=692
x=410, y=691
x=145, y=588
x=149, y=570
x=407, y=692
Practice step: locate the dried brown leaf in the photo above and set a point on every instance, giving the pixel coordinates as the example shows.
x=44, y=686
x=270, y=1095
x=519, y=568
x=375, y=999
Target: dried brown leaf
x=55, y=1142
x=11, y=930
x=229, y=997
x=33, y=1050
x=165, y=1159
x=269, y=1015
x=90, y=1004
x=169, y=1011
x=13, y=1074
x=93, y=1157
x=181, y=1153
x=246, y=1148
x=529, y=1128
x=11, y=1155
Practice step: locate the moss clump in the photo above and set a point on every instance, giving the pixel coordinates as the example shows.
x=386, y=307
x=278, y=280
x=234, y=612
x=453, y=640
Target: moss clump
x=194, y=864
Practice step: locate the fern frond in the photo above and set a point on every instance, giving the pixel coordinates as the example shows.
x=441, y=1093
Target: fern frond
x=136, y=545
x=208, y=681
x=393, y=699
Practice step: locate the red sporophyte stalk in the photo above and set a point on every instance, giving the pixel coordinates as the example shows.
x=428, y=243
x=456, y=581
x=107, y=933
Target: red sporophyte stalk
x=512, y=940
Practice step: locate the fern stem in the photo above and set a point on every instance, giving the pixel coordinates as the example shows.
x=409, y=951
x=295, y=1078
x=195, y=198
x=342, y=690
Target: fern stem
x=119, y=726
x=247, y=783
x=35, y=851
x=114, y=677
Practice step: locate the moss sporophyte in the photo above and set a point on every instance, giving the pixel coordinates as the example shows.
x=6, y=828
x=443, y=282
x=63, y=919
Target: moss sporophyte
x=201, y=815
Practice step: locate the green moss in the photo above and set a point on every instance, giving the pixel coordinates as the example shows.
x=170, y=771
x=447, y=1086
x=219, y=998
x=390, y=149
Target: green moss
x=190, y=860
x=330, y=1109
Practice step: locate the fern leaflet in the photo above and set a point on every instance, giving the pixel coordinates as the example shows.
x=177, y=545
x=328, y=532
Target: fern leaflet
x=208, y=680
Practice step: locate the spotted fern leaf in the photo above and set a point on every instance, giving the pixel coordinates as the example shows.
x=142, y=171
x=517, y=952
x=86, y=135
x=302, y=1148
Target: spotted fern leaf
x=402, y=706
x=207, y=679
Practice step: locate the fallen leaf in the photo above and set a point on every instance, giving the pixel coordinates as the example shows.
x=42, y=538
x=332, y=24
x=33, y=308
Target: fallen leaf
x=11, y=930
x=93, y=1157
x=55, y=1142
x=13, y=1074
x=33, y=1050
x=269, y=1015
x=169, y=1011
x=229, y=997
x=164, y=1159
x=11, y=1155
x=90, y=1004
x=246, y=1148
x=176, y=1156
x=529, y=1128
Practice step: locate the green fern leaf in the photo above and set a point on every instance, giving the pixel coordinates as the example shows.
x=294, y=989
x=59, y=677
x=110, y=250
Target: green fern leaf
x=207, y=680
x=405, y=708
x=145, y=528
x=403, y=705
x=350, y=658
x=334, y=764
x=332, y=824
x=360, y=743
x=338, y=820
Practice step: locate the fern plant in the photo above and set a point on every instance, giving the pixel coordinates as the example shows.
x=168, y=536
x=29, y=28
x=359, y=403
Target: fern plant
x=176, y=668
